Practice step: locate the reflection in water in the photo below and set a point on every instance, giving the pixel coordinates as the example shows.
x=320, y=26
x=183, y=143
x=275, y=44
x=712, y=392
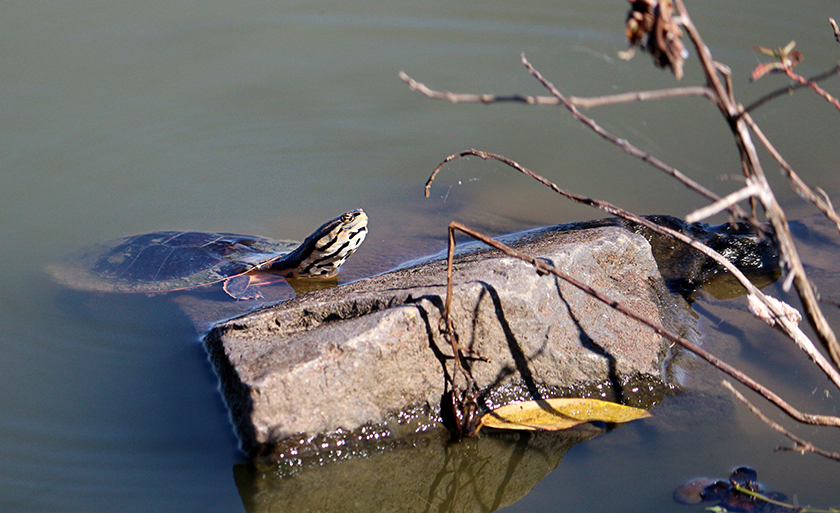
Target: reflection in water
x=203, y=307
x=424, y=474
x=205, y=310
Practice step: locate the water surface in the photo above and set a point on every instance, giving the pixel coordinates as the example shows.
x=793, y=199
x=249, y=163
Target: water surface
x=270, y=118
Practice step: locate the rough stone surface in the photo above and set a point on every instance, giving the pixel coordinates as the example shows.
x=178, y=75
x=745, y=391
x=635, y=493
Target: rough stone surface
x=361, y=353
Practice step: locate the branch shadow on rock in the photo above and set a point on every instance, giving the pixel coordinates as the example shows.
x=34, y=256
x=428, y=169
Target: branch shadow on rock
x=520, y=360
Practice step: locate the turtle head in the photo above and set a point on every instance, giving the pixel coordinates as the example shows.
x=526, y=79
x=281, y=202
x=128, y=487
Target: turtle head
x=323, y=252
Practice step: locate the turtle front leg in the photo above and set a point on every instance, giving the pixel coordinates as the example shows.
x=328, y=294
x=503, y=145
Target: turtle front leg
x=239, y=288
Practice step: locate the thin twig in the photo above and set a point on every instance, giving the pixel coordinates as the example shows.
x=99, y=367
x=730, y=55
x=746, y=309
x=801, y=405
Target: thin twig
x=449, y=96
x=796, y=183
x=708, y=64
x=452, y=336
x=546, y=268
x=749, y=191
x=637, y=96
x=791, y=88
x=814, y=87
x=585, y=103
x=801, y=445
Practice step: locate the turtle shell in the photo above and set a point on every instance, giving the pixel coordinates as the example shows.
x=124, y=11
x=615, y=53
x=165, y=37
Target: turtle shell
x=168, y=261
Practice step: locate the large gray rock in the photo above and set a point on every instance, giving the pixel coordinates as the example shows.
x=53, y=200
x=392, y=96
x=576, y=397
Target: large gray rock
x=371, y=353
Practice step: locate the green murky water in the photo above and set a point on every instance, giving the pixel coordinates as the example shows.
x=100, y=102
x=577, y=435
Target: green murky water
x=269, y=118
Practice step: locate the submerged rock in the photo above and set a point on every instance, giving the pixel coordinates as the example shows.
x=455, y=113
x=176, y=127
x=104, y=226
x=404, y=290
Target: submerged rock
x=364, y=354
x=685, y=269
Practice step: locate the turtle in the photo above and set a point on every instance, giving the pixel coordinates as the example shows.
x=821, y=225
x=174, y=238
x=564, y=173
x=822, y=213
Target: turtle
x=171, y=261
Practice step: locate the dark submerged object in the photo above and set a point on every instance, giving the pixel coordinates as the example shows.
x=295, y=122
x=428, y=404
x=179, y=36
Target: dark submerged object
x=753, y=250
x=171, y=261
x=725, y=493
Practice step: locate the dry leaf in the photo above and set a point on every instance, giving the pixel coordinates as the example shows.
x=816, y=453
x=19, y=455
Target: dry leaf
x=651, y=26
x=557, y=414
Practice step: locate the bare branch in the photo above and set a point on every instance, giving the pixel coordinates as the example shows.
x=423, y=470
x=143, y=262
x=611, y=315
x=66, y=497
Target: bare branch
x=718, y=89
x=722, y=97
x=814, y=87
x=801, y=445
x=754, y=173
x=798, y=277
x=796, y=183
x=586, y=103
x=635, y=96
x=724, y=203
x=449, y=96
x=791, y=88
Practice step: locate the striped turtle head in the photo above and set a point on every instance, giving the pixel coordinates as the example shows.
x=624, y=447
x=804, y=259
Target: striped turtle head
x=323, y=252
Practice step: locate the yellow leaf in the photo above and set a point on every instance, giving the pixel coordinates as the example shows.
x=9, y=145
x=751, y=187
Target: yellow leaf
x=557, y=414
